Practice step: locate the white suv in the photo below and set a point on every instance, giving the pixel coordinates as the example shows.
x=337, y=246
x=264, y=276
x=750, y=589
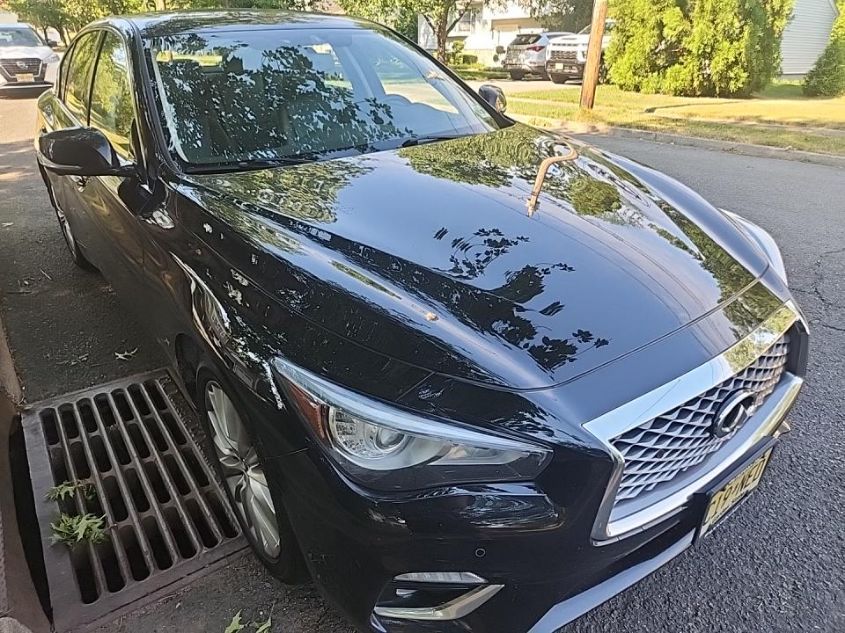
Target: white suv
x=26, y=61
x=568, y=55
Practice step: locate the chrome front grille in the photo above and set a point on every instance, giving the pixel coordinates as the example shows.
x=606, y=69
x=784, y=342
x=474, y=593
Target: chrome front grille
x=563, y=56
x=660, y=449
x=27, y=65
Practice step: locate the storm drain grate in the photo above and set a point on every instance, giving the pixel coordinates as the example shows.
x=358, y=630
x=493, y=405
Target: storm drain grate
x=167, y=517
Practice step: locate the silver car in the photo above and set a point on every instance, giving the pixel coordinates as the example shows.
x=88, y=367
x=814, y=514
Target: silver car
x=527, y=54
x=26, y=61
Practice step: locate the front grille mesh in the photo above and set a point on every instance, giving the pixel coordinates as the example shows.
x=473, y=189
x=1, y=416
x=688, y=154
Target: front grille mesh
x=28, y=65
x=662, y=448
x=563, y=56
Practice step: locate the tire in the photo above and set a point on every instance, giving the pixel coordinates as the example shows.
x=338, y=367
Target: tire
x=559, y=79
x=516, y=75
x=603, y=73
x=239, y=463
x=76, y=253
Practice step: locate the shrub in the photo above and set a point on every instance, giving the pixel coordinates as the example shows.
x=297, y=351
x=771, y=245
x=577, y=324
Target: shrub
x=455, y=52
x=827, y=78
x=697, y=47
x=646, y=41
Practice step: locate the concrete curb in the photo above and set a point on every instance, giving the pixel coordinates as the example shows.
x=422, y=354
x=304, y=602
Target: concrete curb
x=18, y=597
x=744, y=149
x=9, y=383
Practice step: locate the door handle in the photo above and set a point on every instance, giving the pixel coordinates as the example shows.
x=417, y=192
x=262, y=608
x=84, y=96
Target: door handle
x=80, y=181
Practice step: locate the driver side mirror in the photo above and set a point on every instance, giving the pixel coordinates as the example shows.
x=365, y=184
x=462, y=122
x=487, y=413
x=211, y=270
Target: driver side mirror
x=494, y=96
x=52, y=43
x=81, y=151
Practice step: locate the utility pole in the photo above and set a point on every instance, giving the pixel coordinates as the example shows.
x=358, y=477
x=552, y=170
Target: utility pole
x=593, y=66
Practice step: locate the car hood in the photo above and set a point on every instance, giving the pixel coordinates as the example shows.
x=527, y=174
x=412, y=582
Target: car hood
x=18, y=52
x=571, y=39
x=428, y=254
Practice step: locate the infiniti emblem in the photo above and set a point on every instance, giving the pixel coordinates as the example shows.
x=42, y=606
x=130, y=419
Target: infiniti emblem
x=733, y=413
x=21, y=64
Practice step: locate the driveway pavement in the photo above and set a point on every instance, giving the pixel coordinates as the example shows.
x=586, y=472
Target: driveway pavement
x=776, y=566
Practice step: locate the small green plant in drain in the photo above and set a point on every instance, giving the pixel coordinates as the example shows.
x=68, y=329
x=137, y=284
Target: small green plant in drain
x=67, y=489
x=72, y=529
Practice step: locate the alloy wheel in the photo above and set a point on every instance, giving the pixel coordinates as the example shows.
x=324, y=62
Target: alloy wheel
x=242, y=471
x=66, y=231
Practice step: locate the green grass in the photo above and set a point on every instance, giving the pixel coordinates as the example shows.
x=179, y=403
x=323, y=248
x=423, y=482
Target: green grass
x=780, y=116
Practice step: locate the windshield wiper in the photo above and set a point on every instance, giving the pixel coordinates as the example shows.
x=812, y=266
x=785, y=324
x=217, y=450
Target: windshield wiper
x=243, y=165
x=430, y=138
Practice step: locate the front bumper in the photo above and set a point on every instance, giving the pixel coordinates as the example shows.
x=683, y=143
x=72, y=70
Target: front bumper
x=45, y=78
x=571, y=69
x=536, y=540
x=512, y=535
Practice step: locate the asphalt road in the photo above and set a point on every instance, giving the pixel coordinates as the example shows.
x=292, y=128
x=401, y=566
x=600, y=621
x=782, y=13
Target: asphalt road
x=775, y=566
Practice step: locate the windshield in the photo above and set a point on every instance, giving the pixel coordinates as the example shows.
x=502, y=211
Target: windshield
x=19, y=37
x=236, y=98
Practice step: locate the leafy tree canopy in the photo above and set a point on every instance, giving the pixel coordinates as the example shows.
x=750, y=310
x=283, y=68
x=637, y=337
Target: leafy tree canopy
x=560, y=15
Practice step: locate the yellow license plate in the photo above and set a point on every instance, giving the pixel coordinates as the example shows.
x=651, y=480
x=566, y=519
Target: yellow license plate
x=734, y=492
x=26, y=78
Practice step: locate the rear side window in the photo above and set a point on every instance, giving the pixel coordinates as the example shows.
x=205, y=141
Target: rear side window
x=112, y=111
x=79, y=75
x=525, y=39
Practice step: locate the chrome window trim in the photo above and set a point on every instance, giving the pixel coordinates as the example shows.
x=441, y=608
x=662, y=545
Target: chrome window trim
x=452, y=610
x=673, y=394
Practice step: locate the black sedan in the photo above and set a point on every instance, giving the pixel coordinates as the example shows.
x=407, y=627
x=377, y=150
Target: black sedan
x=469, y=375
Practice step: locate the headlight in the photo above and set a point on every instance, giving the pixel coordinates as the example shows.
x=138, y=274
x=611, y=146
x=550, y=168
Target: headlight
x=384, y=447
x=52, y=59
x=760, y=237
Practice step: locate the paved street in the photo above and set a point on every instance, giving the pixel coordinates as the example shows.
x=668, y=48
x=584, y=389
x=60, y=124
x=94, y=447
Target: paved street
x=775, y=566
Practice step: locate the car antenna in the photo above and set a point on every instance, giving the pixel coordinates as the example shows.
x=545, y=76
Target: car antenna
x=541, y=177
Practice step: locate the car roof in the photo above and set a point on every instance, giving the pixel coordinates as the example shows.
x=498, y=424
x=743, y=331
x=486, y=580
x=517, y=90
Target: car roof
x=171, y=23
x=16, y=25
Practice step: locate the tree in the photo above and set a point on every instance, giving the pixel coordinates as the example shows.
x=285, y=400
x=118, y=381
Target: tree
x=399, y=16
x=440, y=15
x=68, y=16
x=827, y=78
x=560, y=15
x=697, y=47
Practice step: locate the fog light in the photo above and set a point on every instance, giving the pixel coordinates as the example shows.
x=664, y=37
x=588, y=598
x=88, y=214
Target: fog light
x=454, y=577
x=434, y=595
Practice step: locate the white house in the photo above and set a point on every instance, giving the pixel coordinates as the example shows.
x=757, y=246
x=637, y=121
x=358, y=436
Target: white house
x=807, y=35
x=482, y=29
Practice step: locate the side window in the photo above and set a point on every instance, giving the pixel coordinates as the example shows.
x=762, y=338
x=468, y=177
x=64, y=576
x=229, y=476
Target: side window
x=79, y=75
x=112, y=111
